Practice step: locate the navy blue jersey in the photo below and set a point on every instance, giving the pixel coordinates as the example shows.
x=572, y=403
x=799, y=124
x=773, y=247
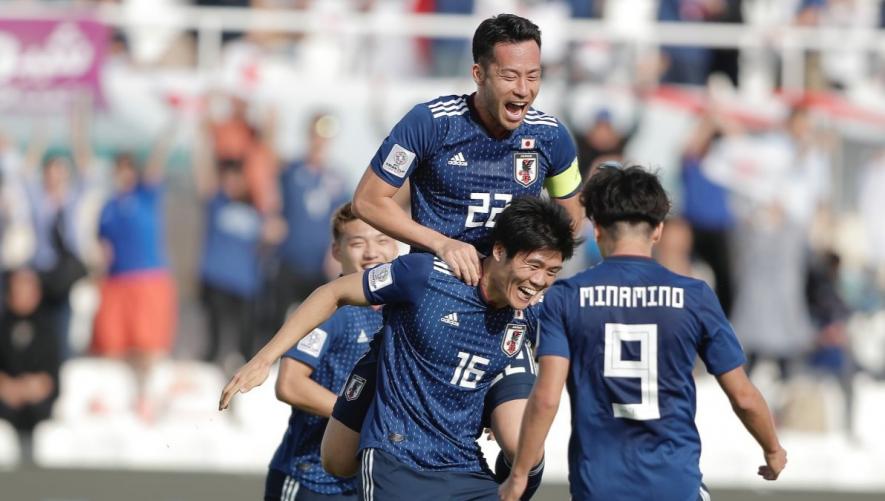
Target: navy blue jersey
x=443, y=348
x=632, y=331
x=331, y=350
x=461, y=178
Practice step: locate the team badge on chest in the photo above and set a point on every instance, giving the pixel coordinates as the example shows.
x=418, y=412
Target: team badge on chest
x=525, y=168
x=513, y=338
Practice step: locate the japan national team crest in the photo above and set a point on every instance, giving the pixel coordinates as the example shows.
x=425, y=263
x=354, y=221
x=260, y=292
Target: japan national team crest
x=354, y=387
x=513, y=338
x=525, y=168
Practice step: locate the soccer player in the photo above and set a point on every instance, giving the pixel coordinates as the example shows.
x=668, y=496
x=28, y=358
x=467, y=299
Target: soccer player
x=312, y=371
x=466, y=157
x=445, y=342
x=624, y=336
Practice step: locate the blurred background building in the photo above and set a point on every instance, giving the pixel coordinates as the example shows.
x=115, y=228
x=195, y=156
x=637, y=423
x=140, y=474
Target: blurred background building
x=168, y=169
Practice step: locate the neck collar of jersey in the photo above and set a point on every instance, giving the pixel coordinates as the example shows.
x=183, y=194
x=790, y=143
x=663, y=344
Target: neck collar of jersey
x=630, y=257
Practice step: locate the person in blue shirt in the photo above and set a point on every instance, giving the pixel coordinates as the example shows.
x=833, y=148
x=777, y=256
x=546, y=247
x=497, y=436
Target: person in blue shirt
x=444, y=344
x=466, y=157
x=312, y=371
x=623, y=336
x=311, y=191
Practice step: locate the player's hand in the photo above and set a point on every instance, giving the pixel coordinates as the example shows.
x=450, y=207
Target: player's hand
x=249, y=376
x=462, y=258
x=512, y=488
x=774, y=464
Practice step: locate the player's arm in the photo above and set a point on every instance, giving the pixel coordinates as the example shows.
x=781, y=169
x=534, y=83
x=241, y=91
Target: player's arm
x=295, y=387
x=316, y=309
x=539, y=413
x=751, y=409
x=374, y=203
x=575, y=210
x=564, y=182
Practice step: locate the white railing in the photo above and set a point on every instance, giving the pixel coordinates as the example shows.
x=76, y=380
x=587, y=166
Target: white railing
x=209, y=22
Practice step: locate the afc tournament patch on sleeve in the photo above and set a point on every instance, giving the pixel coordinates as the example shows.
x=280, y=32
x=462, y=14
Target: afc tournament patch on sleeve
x=380, y=277
x=312, y=344
x=398, y=161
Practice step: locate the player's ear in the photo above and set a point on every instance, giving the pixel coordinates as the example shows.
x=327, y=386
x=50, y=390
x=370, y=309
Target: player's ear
x=478, y=73
x=657, y=233
x=596, y=233
x=498, y=252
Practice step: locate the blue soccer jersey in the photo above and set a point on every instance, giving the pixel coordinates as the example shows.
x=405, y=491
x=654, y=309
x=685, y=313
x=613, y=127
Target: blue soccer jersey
x=443, y=348
x=632, y=331
x=461, y=178
x=331, y=350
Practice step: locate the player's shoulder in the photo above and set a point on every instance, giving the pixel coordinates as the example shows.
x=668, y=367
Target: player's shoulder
x=445, y=107
x=541, y=120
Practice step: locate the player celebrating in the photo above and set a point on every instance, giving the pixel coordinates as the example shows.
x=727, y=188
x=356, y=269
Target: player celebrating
x=466, y=158
x=444, y=343
x=315, y=368
x=624, y=335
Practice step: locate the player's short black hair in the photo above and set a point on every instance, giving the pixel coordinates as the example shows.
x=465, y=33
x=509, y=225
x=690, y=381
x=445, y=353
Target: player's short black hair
x=506, y=28
x=529, y=224
x=624, y=194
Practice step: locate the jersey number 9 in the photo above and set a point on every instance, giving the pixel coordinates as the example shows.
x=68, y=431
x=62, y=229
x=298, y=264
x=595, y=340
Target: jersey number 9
x=645, y=369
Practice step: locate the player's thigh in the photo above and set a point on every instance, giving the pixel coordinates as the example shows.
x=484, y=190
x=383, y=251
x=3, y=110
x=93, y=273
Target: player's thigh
x=383, y=478
x=505, y=423
x=506, y=400
x=339, y=449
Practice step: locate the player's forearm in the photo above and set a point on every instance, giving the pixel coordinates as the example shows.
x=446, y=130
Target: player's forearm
x=753, y=412
x=388, y=217
x=539, y=413
x=308, y=396
x=316, y=309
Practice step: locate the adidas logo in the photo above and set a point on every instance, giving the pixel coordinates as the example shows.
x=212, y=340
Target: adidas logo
x=451, y=319
x=362, y=338
x=458, y=160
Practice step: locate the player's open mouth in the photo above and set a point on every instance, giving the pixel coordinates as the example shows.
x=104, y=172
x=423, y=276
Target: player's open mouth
x=515, y=109
x=526, y=293
x=370, y=265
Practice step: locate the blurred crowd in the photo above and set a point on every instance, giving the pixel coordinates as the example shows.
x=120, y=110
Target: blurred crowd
x=755, y=216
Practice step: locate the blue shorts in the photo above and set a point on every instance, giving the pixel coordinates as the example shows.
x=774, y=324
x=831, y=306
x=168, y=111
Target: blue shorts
x=353, y=402
x=383, y=478
x=281, y=487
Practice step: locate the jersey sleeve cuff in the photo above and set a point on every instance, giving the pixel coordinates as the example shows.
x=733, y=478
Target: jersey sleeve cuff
x=722, y=369
x=304, y=358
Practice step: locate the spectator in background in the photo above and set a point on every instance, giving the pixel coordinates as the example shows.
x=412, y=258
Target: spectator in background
x=310, y=193
x=690, y=65
x=830, y=314
x=705, y=207
x=235, y=139
x=56, y=201
x=230, y=271
x=602, y=141
x=770, y=312
x=137, y=315
x=29, y=354
x=674, y=252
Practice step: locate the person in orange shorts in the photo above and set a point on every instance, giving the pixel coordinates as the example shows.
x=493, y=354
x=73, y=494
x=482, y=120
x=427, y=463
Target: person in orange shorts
x=137, y=315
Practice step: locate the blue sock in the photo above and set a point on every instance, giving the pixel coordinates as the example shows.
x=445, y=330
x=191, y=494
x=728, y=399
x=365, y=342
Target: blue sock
x=502, y=471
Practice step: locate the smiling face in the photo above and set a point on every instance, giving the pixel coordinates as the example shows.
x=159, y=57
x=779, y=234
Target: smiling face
x=360, y=247
x=507, y=85
x=516, y=281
